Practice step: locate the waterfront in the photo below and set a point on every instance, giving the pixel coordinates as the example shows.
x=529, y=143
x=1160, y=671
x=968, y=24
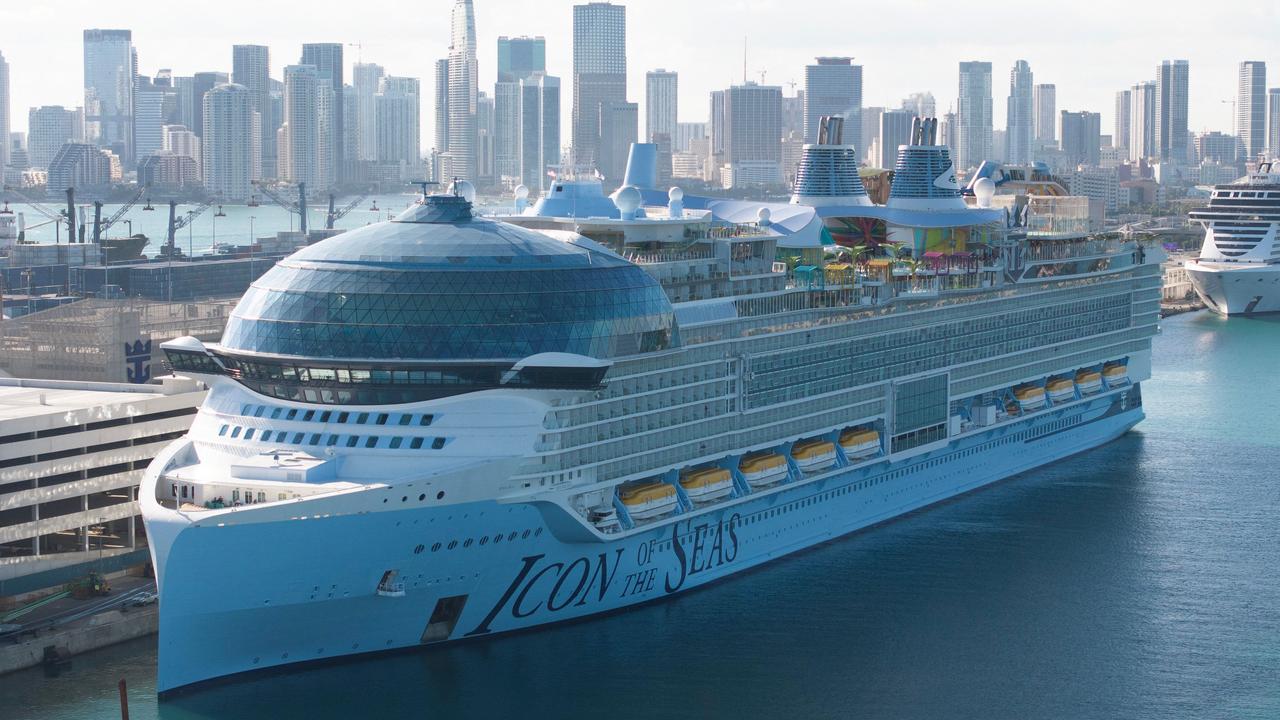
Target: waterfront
x=1133, y=581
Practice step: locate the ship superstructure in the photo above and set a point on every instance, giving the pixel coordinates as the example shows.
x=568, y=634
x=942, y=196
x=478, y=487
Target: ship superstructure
x=1238, y=270
x=447, y=426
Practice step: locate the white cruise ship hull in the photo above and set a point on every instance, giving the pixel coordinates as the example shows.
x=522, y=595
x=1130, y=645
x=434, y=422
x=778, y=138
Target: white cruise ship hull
x=252, y=588
x=1237, y=289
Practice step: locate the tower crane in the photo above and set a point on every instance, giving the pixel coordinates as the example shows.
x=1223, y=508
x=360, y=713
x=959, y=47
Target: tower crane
x=100, y=227
x=177, y=223
x=298, y=208
x=336, y=215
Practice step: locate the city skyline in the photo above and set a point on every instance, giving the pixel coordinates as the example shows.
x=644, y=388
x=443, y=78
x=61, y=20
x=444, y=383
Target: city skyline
x=705, y=64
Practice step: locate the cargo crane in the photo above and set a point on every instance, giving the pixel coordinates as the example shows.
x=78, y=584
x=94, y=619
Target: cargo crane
x=298, y=208
x=177, y=223
x=99, y=227
x=336, y=215
x=66, y=216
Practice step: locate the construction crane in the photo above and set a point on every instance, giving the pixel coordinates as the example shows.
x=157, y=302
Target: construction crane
x=177, y=223
x=336, y=215
x=298, y=208
x=56, y=216
x=100, y=227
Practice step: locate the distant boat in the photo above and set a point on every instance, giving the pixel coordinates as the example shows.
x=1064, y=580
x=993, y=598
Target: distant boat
x=124, y=249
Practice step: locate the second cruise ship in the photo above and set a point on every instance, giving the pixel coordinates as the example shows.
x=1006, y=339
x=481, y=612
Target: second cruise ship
x=446, y=426
x=1238, y=270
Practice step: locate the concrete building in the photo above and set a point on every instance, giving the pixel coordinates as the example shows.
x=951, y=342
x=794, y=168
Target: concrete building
x=538, y=118
x=5, y=127
x=1123, y=122
x=1142, y=122
x=71, y=456
x=484, y=175
x=1251, y=108
x=973, y=115
x=441, y=139
x=519, y=58
x=895, y=130
x=833, y=86
x=660, y=104
x=458, y=156
x=686, y=132
x=599, y=75
x=109, y=69
x=1100, y=185
x=230, y=146
x=1081, y=137
x=1172, y=103
x=169, y=171
x=753, y=136
x=1045, y=99
x=181, y=141
x=1217, y=147
x=366, y=82
x=397, y=132
x=251, y=68
x=921, y=104
x=793, y=114
x=1273, y=121
x=300, y=134
x=48, y=128
x=871, y=136
x=1020, y=130
x=619, y=127
x=148, y=118
x=80, y=165
x=326, y=58
x=201, y=83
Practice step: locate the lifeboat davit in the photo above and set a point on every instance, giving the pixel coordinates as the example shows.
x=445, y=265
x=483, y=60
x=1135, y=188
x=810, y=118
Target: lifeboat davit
x=1061, y=390
x=707, y=485
x=763, y=469
x=1030, y=397
x=814, y=455
x=648, y=499
x=859, y=443
x=1115, y=374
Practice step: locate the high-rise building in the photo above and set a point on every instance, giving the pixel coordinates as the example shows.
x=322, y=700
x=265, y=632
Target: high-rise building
x=251, y=68
x=921, y=104
x=201, y=83
x=895, y=130
x=599, y=75
x=686, y=132
x=1172, y=102
x=4, y=117
x=459, y=158
x=301, y=131
x=148, y=117
x=397, y=118
x=520, y=57
x=180, y=141
x=619, y=127
x=973, y=115
x=442, y=105
x=1273, y=122
x=660, y=102
x=753, y=135
x=1020, y=130
x=793, y=114
x=538, y=118
x=833, y=86
x=871, y=136
x=1124, y=122
x=1216, y=147
x=48, y=128
x=1045, y=99
x=109, y=69
x=484, y=174
x=366, y=79
x=80, y=165
x=326, y=58
x=228, y=142
x=1142, y=122
x=1251, y=108
x=1081, y=137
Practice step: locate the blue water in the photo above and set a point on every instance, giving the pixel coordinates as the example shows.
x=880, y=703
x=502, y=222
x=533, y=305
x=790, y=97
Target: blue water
x=1138, y=580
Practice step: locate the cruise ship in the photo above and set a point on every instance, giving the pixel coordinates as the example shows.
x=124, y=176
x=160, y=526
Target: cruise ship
x=448, y=427
x=1238, y=270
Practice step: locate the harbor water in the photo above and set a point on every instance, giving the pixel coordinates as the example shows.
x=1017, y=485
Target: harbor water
x=1134, y=581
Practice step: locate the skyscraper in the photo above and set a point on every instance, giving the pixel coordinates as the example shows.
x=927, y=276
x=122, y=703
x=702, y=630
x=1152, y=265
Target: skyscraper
x=660, y=102
x=459, y=152
x=300, y=132
x=921, y=104
x=1142, y=121
x=895, y=130
x=1045, y=99
x=1124, y=121
x=538, y=119
x=108, y=90
x=599, y=74
x=366, y=79
x=484, y=139
x=201, y=83
x=1273, y=122
x=1251, y=108
x=1021, y=128
x=1081, y=137
x=148, y=118
x=1172, y=100
x=442, y=106
x=326, y=58
x=4, y=118
x=251, y=68
x=753, y=135
x=833, y=86
x=228, y=142
x=519, y=58
x=973, y=115
x=397, y=124
x=619, y=127
x=48, y=128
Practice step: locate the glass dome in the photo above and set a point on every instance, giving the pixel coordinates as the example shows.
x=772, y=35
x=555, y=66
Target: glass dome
x=438, y=285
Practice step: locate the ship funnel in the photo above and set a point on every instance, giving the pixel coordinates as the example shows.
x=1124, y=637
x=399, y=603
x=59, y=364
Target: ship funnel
x=828, y=170
x=642, y=166
x=831, y=130
x=925, y=177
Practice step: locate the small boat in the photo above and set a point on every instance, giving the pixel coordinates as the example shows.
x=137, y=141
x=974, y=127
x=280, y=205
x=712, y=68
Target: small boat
x=707, y=485
x=604, y=517
x=763, y=469
x=1089, y=381
x=1115, y=374
x=814, y=455
x=648, y=499
x=859, y=442
x=1030, y=397
x=1061, y=390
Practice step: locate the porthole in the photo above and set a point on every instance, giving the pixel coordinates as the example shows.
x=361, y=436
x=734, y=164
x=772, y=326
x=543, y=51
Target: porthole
x=524, y=535
x=453, y=544
x=440, y=495
x=537, y=532
x=422, y=497
x=435, y=547
x=466, y=543
x=484, y=540
x=497, y=539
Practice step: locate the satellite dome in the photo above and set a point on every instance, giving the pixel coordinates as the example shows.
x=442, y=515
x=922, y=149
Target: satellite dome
x=464, y=189
x=522, y=192
x=983, y=190
x=675, y=194
x=763, y=215
x=628, y=199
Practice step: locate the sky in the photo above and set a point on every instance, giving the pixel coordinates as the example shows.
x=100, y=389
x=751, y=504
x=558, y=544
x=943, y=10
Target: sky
x=1088, y=48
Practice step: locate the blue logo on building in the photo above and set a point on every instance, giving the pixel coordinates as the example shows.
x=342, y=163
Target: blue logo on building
x=137, y=358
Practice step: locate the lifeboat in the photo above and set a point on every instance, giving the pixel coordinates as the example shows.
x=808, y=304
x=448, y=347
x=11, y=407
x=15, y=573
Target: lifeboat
x=763, y=469
x=814, y=455
x=646, y=500
x=1030, y=397
x=1115, y=374
x=859, y=443
x=605, y=518
x=1061, y=390
x=1089, y=381
x=707, y=485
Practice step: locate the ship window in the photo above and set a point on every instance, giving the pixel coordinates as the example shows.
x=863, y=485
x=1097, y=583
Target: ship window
x=266, y=436
x=315, y=439
x=248, y=434
x=306, y=417
x=257, y=412
x=416, y=443
x=222, y=431
x=262, y=496
x=484, y=540
x=235, y=431
x=362, y=418
x=275, y=413
x=331, y=440
x=404, y=419
x=382, y=418
x=293, y=413
x=342, y=417
x=425, y=420
x=324, y=416
x=395, y=442
x=297, y=438
x=352, y=440
x=235, y=496
x=372, y=441
x=437, y=443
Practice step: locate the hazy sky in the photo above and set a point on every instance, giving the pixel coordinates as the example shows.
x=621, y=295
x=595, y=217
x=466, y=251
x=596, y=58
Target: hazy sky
x=1088, y=48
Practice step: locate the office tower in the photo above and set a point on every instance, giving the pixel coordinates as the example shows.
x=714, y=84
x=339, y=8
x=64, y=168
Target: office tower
x=397, y=126
x=109, y=68
x=366, y=79
x=599, y=74
x=1124, y=122
x=686, y=132
x=251, y=67
x=1216, y=147
x=201, y=83
x=484, y=140
x=442, y=105
x=1171, y=109
x=660, y=100
x=753, y=135
x=520, y=57
x=921, y=104
x=148, y=117
x=80, y=165
x=1045, y=99
x=326, y=58
x=619, y=127
x=715, y=127
x=1251, y=108
x=871, y=136
x=833, y=86
x=793, y=115
x=1020, y=130
x=1273, y=122
x=947, y=129
x=228, y=142
x=181, y=142
x=48, y=128
x=973, y=115
x=895, y=130
x=4, y=117
x=458, y=158
x=1081, y=138
x=538, y=119
x=1142, y=121
x=304, y=106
